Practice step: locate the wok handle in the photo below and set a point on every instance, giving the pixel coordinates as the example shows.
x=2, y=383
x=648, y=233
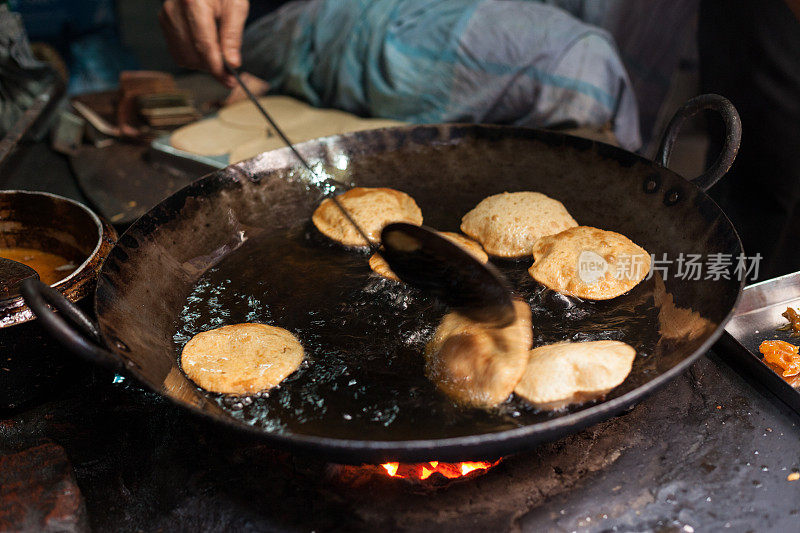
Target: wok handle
x=733, y=136
x=38, y=295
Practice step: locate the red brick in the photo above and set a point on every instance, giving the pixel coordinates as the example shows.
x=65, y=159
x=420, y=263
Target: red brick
x=38, y=492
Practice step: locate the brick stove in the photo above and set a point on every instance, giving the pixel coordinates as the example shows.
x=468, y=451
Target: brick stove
x=125, y=459
x=146, y=464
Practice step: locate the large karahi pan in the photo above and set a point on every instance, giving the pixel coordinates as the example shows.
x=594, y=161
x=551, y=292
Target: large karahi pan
x=237, y=246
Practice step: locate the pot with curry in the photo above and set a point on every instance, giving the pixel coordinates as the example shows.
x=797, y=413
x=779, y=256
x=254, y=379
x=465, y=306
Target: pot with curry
x=65, y=243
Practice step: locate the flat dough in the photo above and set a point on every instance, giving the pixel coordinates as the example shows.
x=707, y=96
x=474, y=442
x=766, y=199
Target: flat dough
x=557, y=258
x=210, y=137
x=300, y=121
x=508, y=224
x=381, y=267
x=240, y=131
x=282, y=109
x=561, y=374
x=371, y=208
x=306, y=130
x=241, y=359
x=479, y=365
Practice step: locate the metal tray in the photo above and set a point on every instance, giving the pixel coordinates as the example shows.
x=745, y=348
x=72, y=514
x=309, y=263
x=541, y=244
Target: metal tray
x=757, y=318
x=163, y=151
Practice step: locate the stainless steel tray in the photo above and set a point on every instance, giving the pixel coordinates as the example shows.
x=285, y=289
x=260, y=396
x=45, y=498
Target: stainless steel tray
x=757, y=318
x=162, y=151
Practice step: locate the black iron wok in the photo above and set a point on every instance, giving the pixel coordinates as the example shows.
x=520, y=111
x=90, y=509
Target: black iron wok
x=237, y=246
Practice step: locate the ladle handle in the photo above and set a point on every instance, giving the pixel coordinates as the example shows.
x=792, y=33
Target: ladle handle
x=319, y=180
x=730, y=147
x=38, y=295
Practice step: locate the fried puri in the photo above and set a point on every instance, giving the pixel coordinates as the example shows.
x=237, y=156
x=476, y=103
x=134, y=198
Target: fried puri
x=381, y=267
x=476, y=364
x=508, y=224
x=561, y=374
x=589, y=263
x=371, y=208
x=241, y=359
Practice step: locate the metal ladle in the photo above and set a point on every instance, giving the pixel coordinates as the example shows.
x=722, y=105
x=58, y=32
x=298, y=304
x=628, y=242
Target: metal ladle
x=12, y=274
x=420, y=257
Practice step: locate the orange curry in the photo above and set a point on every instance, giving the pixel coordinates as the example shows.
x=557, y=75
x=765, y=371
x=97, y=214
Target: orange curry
x=50, y=267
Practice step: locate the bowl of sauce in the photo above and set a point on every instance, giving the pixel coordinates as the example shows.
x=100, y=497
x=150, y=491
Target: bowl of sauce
x=61, y=239
x=51, y=268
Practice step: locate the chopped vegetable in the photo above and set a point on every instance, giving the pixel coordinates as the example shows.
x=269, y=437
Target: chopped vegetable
x=783, y=355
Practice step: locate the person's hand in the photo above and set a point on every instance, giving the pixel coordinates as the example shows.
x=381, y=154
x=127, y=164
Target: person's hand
x=201, y=32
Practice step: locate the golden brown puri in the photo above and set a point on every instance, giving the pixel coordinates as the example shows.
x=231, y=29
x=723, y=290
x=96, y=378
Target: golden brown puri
x=472, y=247
x=676, y=322
x=589, y=263
x=371, y=208
x=508, y=224
x=381, y=267
x=561, y=374
x=241, y=359
x=210, y=137
x=476, y=364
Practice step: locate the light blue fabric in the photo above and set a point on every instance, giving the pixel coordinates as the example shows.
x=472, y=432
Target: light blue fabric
x=496, y=61
x=651, y=37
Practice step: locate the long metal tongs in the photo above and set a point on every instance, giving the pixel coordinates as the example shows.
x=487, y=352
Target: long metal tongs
x=420, y=256
x=285, y=139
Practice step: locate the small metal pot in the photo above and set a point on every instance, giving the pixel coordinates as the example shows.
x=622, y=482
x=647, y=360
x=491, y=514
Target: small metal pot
x=29, y=359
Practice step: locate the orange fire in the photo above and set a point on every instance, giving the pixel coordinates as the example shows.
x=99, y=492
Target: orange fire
x=423, y=471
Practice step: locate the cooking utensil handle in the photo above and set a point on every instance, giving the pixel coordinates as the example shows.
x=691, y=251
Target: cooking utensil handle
x=38, y=295
x=730, y=147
